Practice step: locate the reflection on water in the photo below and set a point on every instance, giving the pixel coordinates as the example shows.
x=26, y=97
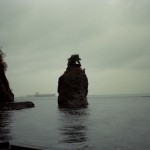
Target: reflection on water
x=73, y=127
x=74, y=134
x=5, y=119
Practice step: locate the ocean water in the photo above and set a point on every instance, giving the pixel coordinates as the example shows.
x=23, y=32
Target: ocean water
x=118, y=122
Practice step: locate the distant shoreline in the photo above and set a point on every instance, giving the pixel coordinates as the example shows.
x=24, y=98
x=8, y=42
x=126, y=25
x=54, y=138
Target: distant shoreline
x=100, y=95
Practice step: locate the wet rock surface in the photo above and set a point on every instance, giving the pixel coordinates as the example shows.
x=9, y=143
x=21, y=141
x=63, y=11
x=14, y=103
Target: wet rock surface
x=73, y=85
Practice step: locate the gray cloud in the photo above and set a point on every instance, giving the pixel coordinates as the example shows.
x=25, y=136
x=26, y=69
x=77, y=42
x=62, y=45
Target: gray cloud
x=111, y=36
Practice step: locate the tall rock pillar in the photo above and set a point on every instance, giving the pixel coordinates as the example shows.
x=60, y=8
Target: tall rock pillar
x=73, y=85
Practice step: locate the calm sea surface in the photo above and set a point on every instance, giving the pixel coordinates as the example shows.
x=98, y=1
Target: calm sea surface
x=109, y=123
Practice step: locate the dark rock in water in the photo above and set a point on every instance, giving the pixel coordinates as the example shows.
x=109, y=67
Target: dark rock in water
x=73, y=85
x=15, y=105
x=6, y=94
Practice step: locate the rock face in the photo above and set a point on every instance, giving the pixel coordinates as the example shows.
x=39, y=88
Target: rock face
x=73, y=85
x=6, y=94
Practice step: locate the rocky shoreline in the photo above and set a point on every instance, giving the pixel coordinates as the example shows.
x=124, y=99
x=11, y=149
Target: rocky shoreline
x=6, y=106
x=6, y=95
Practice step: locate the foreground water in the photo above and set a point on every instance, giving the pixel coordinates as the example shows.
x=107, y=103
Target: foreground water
x=109, y=123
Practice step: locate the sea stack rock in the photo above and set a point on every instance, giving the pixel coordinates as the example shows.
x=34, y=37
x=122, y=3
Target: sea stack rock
x=73, y=85
x=6, y=94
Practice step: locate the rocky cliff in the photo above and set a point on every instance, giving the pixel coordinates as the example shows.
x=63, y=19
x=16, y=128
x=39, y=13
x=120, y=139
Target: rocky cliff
x=6, y=94
x=73, y=85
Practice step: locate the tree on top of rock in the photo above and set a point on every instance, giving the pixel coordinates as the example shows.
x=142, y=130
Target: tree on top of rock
x=3, y=64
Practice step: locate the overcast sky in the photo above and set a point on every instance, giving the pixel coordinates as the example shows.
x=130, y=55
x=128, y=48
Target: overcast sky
x=112, y=38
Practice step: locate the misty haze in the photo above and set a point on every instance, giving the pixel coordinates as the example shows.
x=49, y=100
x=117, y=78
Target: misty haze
x=112, y=40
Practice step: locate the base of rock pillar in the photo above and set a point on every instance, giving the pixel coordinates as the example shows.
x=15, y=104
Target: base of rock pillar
x=68, y=105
